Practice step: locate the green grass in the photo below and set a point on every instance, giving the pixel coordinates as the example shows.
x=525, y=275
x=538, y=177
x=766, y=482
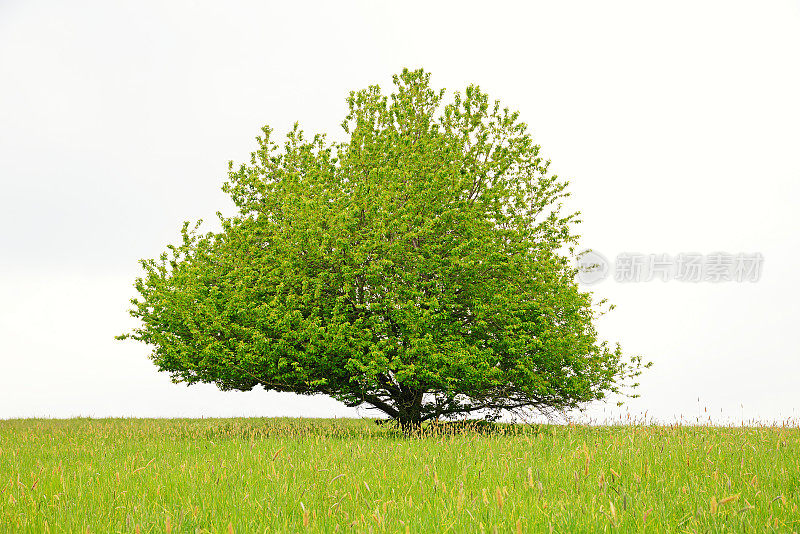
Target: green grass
x=289, y=475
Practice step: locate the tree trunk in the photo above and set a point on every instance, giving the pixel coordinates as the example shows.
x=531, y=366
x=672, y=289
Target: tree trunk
x=410, y=412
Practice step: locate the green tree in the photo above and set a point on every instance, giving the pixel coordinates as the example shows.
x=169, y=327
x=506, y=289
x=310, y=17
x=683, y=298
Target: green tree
x=421, y=267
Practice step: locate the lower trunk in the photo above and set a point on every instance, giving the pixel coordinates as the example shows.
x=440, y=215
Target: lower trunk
x=410, y=425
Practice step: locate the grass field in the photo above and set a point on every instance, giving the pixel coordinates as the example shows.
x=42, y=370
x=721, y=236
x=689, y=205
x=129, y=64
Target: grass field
x=289, y=475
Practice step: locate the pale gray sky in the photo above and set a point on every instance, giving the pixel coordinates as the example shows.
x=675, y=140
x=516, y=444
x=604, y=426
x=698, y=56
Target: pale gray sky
x=678, y=124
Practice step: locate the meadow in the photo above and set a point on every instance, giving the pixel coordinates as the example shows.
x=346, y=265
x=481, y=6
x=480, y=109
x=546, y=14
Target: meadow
x=311, y=475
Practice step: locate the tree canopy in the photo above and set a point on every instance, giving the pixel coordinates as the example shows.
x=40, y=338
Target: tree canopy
x=421, y=266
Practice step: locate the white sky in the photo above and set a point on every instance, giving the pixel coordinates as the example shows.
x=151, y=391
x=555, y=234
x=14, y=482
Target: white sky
x=678, y=124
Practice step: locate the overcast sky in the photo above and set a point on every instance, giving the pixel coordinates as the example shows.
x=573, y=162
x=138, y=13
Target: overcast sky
x=677, y=123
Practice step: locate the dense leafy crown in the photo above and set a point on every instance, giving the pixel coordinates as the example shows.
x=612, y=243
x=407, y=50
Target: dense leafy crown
x=421, y=267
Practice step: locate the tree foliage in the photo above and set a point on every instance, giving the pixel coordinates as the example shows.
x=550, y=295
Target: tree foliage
x=422, y=267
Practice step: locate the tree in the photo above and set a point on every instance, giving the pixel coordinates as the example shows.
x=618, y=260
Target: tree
x=421, y=267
